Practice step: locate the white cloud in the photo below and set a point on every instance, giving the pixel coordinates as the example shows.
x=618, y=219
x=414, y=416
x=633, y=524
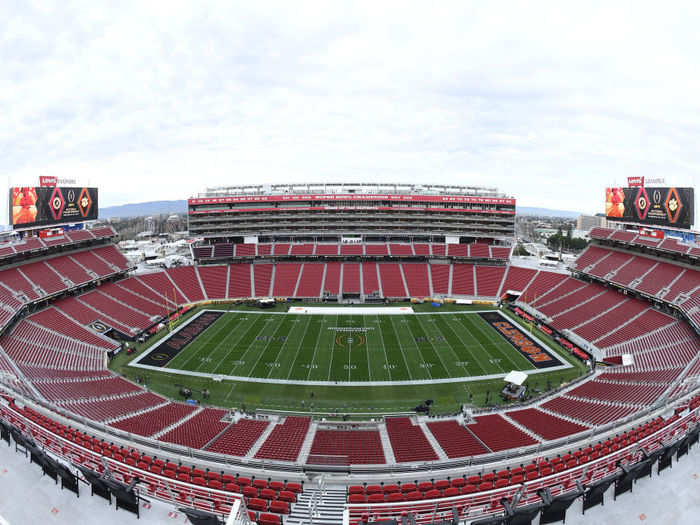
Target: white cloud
x=548, y=102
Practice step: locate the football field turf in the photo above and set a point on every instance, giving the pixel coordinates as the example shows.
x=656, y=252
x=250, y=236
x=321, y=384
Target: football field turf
x=340, y=348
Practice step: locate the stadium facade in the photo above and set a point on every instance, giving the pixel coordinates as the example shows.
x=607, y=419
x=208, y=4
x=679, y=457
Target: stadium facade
x=343, y=212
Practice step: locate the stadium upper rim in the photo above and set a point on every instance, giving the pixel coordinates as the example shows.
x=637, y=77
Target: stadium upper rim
x=359, y=188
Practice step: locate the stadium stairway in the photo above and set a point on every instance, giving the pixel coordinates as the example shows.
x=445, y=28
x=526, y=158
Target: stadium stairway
x=431, y=439
x=177, y=423
x=128, y=306
x=273, y=274
x=449, y=280
x=20, y=377
x=128, y=415
x=386, y=444
x=201, y=284
x=379, y=279
x=261, y=440
x=298, y=280
x=599, y=314
x=522, y=428
x=323, y=278
x=585, y=300
x=340, y=278
x=430, y=282
x=328, y=502
x=403, y=280
x=623, y=325
x=305, y=449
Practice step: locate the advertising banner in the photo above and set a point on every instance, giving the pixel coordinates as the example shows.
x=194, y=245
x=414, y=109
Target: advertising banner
x=45, y=206
x=654, y=206
x=356, y=197
x=48, y=182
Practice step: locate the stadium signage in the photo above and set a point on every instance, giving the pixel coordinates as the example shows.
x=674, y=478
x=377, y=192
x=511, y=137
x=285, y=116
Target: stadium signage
x=528, y=347
x=350, y=328
x=654, y=206
x=34, y=206
x=166, y=351
x=351, y=197
x=49, y=181
x=653, y=234
x=200, y=211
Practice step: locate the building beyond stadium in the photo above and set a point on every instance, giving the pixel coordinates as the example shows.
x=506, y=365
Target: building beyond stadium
x=352, y=212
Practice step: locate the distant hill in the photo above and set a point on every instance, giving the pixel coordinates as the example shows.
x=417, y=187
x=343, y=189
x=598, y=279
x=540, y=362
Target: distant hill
x=144, y=209
x=545, y=212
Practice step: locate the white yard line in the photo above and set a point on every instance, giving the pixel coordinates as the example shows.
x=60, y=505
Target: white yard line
x=206, y=342
x=398, y=339
x=301, y=342
x=454, y=352
x=252, y=345
x=313, y=358
x=233, y=346
x=447, y=370
x=330, y=362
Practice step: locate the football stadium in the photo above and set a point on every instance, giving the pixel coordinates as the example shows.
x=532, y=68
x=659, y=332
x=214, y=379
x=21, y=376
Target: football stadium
x=351, y=354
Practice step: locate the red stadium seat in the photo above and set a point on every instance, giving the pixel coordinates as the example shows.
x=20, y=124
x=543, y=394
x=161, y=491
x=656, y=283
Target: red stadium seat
x=269, y=519
x=293, y=487
x=442, y=484
x=485, y=485
x=250, y=492
x=268, y=494
x=274, y=485
x=257, y=504
x=414, y=496
x=279, y=507
x=376, y=498
x=425, y=486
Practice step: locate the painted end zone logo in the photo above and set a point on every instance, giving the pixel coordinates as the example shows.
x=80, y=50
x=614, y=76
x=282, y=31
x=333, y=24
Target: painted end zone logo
x=162, y=354
x=533, y=351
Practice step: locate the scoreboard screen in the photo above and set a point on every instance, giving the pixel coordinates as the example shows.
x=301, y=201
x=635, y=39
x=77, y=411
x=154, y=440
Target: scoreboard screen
x=32, y=206
x=654, y=206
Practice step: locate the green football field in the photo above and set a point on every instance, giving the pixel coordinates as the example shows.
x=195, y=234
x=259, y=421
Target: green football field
x=342, y=348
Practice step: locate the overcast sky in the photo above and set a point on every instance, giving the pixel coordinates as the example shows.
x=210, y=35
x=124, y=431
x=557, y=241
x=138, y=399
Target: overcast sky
x=550, y=102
